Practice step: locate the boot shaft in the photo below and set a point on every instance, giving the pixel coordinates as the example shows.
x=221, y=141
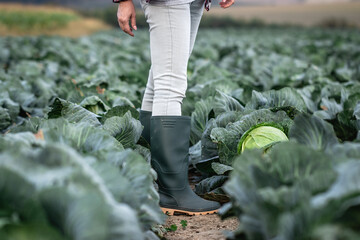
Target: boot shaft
x=170, y=159
x=170, y=150
x=144, y=118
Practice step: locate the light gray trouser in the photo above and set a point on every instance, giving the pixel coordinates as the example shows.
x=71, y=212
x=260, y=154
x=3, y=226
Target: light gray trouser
x=173, y=31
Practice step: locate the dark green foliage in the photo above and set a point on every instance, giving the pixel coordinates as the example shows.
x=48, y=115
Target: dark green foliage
x=86, y=174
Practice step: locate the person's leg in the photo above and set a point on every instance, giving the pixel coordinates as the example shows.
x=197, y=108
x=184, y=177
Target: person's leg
x=196, y=12
x=169, y=130
x=146, y=107
x=147, y=101
x=169, y=46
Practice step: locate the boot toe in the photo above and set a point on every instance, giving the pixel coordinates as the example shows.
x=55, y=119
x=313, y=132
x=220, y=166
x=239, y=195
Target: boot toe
x=201, y=204
x=211, y=205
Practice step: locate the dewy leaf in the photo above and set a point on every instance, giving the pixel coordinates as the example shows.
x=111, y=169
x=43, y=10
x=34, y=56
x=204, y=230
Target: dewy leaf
x=347, y=183
x=347, y=119
x=120, y=111
x=72, y=112
x=220, y=169
x=344, y=74
x=225, y=103
x=29, y=124
x=199, y=118
x=12, y=140
x=297, y=164
x=5, y=119
x=12, y=107
x=313, y=132
x=357, y=116
x=226, y=140
x=329, y=109
x=209, y=184
x=195, y=153
x=81, y=136
x=277, y=98
x=344, y=151
x=334, y=231
x=311, y=96
x=127, y=130
x=208, y=147
x=94, y=104
x=28, y=68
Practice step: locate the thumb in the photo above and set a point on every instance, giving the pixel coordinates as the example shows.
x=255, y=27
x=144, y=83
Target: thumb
x=133, y=21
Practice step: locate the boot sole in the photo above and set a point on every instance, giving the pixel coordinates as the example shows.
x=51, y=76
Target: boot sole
x=170, y=212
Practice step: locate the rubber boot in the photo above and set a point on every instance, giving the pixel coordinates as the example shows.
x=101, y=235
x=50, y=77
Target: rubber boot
x=169, y=158
x=144, y=118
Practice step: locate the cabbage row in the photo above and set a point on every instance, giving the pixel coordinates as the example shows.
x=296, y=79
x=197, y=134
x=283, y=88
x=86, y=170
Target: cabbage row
x=74, y=165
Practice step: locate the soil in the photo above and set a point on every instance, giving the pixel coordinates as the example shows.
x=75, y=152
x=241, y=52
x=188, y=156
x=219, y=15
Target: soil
x=203, y=227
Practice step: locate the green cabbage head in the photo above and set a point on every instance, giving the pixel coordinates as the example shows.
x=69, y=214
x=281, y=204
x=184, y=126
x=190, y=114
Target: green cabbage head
x=261, y=136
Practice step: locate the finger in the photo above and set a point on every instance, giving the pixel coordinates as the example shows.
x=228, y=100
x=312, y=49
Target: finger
x=124, y=25
x=223, y=3
x=226, y=4
x=231, y=2
x=128, y=30
x=133, y=21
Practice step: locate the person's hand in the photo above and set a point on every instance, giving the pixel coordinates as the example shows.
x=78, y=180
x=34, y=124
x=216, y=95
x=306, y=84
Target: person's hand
x=126, y=13
x=226, y=3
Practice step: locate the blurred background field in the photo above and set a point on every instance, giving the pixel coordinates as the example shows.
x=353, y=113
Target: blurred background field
x=77, y=18
x=21, y=19
x=308, y=14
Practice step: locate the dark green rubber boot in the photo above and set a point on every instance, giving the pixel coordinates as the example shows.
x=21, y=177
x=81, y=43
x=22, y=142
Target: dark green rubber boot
x=169, y=158
x=144, y=118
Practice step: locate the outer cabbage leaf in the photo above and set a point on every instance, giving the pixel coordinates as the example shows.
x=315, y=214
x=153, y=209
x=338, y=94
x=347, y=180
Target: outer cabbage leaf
x=127, y=130
x=225, y=103
x=264, y=188
x=277, y=98
x=81, y=136
x=72, y=112
x=74, y=198
x=313, y=132
x=94, y=104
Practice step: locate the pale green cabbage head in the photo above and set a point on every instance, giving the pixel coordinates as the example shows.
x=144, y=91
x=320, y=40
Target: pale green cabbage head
x=260, y=137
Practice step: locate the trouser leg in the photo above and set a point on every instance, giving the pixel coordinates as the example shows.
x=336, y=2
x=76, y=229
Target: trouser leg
x=169, y=44
x=196, y=12
x=147, y=101
x=173, y=30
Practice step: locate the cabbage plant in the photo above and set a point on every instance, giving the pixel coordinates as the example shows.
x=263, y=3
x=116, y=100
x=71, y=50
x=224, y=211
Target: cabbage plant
x=262, y=135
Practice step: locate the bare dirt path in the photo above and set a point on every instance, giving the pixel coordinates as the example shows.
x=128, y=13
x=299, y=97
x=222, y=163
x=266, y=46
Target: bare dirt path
x=207, y=227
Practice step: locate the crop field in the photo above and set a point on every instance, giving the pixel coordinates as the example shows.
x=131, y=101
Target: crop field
x=275, y=131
